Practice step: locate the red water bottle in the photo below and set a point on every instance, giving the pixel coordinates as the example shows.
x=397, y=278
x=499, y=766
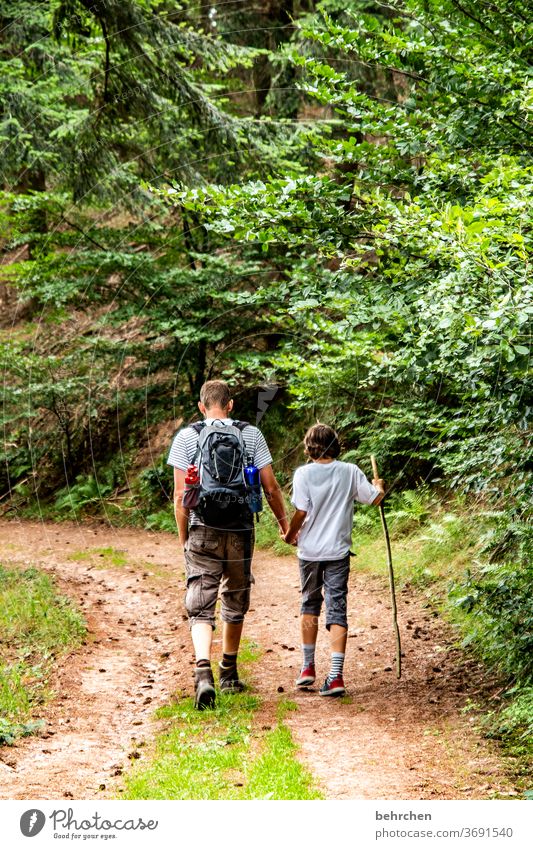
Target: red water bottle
x=191, y=492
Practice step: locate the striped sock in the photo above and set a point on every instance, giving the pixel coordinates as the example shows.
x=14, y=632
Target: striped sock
x=337, y=665
x=229, y=660
x=309, y=654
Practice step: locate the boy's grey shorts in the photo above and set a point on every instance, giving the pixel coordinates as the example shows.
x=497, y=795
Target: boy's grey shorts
x=332, y=575
x=218, y=560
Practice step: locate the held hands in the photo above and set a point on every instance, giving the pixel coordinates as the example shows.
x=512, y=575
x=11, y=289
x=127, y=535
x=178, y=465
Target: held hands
x=285, y=536
x=292, y=531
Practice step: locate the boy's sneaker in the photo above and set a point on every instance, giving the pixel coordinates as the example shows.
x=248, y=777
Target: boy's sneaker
x=205, y=688
x=229, y=679
x=333, y=688
x=307, y=676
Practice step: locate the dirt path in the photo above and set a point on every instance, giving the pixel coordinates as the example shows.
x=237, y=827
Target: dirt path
x=394, y=739
x=108, y=690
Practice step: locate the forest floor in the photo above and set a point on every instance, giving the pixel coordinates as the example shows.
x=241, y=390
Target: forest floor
x=412, y=738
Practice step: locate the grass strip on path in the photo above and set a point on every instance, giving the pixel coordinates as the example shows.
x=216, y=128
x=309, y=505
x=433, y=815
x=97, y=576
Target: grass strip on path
x=276, y=773
x=37, y=624
x=219, y=754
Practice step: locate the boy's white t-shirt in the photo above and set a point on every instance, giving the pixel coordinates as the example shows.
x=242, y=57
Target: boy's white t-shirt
x=327, y=491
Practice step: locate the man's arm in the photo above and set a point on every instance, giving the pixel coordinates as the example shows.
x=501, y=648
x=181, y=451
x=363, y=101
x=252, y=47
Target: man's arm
x=379, y=483
x=181, y=513
x=296, y=523
x=274, y=496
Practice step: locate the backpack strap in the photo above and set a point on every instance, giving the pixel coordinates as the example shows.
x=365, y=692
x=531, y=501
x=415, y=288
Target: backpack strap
x=240, y=427
x=197, y=426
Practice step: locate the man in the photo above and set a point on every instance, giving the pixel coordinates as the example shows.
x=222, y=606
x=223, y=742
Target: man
x=217, y=558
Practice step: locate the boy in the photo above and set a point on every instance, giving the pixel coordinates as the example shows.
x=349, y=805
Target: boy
x=323, y=494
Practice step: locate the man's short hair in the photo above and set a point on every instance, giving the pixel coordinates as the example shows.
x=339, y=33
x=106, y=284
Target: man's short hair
x=321, y=442
x=215, y=393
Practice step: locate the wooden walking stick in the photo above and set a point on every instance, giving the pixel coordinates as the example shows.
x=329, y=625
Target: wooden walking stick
x=391, y=577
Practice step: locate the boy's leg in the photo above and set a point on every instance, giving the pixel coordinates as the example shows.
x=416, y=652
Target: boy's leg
x=311, y=584
x=336, y=575
x=338, y=637
x=308, y=628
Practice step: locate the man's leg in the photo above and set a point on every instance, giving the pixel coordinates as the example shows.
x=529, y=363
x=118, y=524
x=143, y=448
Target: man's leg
x=235, y=601
x=311, y=586
x=202, y=638
x=336, y=574
x=231, y=637
x=203, y=566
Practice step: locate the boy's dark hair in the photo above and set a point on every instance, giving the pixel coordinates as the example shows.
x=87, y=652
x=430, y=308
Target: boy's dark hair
x=215, y=393
x=321, y=441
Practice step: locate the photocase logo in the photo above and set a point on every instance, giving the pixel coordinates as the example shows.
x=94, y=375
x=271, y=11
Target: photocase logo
x=265, y=397
x=32, y=822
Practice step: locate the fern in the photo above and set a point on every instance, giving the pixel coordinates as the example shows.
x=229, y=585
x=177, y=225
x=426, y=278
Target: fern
x=410, y=509
x=86, y=491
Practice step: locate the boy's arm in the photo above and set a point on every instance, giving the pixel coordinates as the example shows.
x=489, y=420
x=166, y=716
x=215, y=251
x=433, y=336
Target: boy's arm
x=296, y=523
x=181, y=513
x=274, y=496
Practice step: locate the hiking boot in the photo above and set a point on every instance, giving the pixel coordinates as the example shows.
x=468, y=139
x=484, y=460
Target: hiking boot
x=307, y=676
x=333, y=688
x=229, y=679
x=205, y=688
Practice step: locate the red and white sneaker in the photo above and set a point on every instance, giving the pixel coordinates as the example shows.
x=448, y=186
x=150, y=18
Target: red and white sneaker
x=333, y=688
x=307, y=676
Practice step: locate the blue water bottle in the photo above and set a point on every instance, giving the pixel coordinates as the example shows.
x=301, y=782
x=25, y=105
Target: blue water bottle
x=253, y=483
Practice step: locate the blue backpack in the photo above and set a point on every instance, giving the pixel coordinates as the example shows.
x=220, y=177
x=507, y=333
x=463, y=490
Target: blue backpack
x=223, y=501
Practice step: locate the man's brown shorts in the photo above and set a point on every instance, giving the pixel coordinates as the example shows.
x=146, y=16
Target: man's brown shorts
x=218, y=560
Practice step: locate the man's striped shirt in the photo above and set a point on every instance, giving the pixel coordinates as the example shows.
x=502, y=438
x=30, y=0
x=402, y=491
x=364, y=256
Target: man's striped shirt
x=185, y=442
x=184, y=445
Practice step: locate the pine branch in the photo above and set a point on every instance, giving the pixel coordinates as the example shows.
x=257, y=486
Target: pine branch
x=107, y=67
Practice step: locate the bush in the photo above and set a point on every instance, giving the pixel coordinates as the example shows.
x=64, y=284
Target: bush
x=155, y=486
x=495, y=605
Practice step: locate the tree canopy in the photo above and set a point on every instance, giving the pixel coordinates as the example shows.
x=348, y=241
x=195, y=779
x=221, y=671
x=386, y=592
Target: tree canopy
x=334, y=196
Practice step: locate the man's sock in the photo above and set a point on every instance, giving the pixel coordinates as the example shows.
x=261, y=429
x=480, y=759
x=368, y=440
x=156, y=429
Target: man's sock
x=229, y=659
x=201, y=664
x=337, y=665
x=308, y=651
